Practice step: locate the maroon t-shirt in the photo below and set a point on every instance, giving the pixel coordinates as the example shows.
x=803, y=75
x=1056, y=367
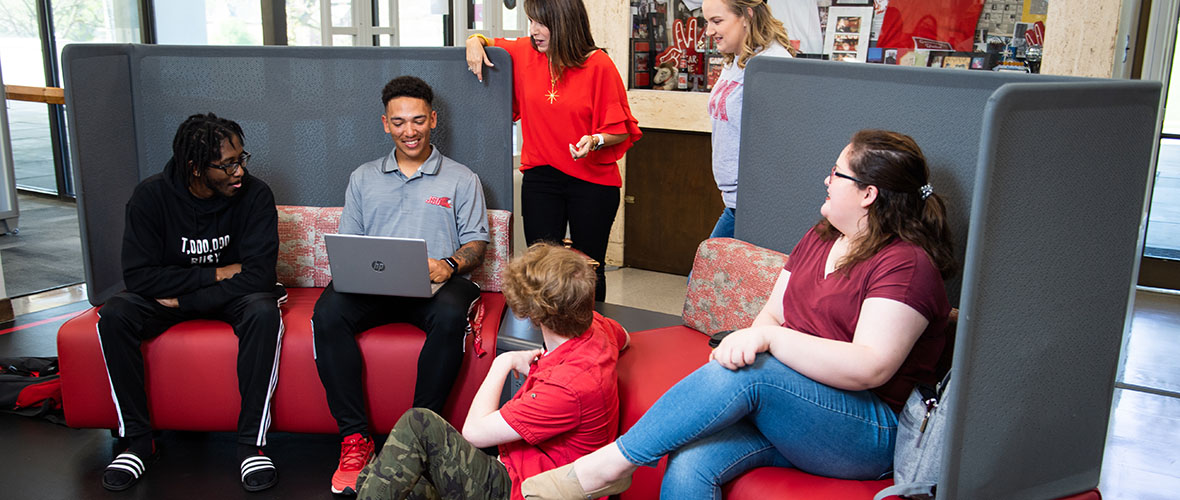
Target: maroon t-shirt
x=829, y=307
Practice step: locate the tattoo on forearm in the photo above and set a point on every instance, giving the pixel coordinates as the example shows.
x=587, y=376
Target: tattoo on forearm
x=470, y=256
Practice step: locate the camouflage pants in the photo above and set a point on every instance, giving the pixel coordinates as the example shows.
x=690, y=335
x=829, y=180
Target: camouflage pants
x=425, y=457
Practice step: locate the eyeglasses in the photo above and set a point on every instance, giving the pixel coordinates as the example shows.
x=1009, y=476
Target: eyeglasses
x=846, y=176
x=232, y=167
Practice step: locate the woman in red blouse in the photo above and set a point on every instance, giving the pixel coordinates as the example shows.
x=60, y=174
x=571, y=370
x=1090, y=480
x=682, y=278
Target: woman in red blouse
x=857, y=317
x=575, y=122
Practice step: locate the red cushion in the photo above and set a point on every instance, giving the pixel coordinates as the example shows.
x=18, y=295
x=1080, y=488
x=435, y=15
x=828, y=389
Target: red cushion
x=655, y=360
x=192, y=376
x=793, y=483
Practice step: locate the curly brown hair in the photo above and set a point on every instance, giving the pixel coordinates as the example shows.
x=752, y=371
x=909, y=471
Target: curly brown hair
x=552, y=287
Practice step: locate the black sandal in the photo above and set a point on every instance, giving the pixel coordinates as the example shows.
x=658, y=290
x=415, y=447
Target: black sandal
x=255, y=467
x=123, y=472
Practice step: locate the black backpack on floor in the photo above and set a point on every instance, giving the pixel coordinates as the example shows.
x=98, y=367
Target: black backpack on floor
x=31, y=387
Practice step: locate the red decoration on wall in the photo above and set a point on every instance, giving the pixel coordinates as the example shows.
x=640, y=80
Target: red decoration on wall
x=686, y=37
x=951, y=21
x=1036, y=34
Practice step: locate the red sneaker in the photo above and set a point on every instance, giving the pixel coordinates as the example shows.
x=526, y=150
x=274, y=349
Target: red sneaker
x=356, y=451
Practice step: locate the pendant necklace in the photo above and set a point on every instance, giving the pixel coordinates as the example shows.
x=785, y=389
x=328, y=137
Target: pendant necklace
x=552, y=95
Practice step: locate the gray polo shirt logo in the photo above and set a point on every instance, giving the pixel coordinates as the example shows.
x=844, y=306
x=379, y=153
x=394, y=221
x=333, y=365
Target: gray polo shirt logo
x=441, y=201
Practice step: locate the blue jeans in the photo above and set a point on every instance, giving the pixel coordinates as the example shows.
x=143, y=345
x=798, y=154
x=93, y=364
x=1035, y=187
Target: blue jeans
x=717, y=424
x=724, y=227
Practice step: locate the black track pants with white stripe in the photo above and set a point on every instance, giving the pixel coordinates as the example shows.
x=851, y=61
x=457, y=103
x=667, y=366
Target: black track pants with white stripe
x=127, y=319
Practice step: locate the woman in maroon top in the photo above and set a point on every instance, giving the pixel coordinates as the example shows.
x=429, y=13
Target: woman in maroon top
x=567, y=407
x=575, y=125
x=856, y=317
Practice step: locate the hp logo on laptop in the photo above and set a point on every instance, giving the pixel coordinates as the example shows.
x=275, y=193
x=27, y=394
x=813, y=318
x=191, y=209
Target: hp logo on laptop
x=378, y=266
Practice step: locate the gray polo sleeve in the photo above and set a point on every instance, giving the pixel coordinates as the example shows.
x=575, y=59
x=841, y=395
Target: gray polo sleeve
x=471, y=212
x=351, y=219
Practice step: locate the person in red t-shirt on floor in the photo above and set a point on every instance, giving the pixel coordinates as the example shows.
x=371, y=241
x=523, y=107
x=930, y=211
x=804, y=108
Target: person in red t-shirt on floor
x=568, y=406
x=857, y=317
x=575, y=123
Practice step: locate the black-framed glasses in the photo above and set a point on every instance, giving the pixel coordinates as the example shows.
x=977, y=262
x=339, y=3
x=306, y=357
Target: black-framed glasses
x=846, y=176
x=232, y=167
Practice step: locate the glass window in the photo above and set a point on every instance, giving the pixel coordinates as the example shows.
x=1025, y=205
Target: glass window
x=475, y=19
x=200, y=22
x=1163, y=221
x=20, y=44
x=510, y=20
x=341, y=13
x=303, y=22
x=421, y=23
x=382, y=13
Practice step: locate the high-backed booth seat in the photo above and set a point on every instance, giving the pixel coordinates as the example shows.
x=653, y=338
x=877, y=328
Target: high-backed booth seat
x=1045, y=179
x=309, y=116
x=190, y=369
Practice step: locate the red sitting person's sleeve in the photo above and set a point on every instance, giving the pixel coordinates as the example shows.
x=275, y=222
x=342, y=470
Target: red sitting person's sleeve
x=547, y=410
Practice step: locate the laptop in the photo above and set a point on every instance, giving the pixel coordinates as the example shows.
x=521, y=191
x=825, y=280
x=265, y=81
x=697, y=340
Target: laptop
x=379, y=265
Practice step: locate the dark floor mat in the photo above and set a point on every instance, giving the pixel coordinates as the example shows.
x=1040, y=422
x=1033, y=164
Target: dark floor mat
x=47, y=252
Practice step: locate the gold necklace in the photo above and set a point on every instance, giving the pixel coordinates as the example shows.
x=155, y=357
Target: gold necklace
x=552, y=95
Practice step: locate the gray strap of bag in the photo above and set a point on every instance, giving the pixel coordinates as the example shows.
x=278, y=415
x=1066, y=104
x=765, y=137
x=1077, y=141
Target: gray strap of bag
x=918, y=491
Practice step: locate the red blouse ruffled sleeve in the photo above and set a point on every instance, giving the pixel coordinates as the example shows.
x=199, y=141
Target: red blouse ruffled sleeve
x=612, y=111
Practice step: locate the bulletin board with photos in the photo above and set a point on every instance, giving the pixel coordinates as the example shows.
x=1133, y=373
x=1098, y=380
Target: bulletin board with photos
x=670, y=51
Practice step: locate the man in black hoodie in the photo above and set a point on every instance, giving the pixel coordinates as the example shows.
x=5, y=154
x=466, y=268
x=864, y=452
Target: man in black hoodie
x=200, y=241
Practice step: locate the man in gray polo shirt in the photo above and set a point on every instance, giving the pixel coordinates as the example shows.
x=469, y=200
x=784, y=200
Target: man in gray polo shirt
x=413, y=192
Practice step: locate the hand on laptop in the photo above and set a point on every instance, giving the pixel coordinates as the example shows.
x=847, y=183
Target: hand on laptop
x=439, y=270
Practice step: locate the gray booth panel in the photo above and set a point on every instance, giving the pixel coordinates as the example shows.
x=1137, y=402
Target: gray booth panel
x=1049, y=274
x=309, y=115
x=1046, y=177
x=800, y=114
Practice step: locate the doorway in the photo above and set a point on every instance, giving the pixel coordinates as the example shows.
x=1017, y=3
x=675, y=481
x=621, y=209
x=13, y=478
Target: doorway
x=672, y=201
x=1160, y=264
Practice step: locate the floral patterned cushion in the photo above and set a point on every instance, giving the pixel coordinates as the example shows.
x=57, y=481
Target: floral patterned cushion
x=730, y=282
x=303, y=256
x=489, y=276
x=328, y=223
x=297, y=228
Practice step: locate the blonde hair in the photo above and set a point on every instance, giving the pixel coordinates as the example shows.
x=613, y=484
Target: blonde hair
x=763, y=30
x=553, y=287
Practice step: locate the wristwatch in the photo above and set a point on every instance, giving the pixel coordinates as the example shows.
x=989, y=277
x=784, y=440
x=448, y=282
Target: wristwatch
x=451, y=262
x=599, y=143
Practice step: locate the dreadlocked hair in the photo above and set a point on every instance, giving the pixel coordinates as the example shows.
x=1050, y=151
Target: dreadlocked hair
x=895, y=164
x=198, y=142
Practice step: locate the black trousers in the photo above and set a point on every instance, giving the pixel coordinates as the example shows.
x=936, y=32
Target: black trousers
x=550, y=199
x=339, y=317
x=127, y=319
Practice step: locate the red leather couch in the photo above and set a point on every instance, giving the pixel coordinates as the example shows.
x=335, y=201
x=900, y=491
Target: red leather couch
x=190, y=369
x=729, y=285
